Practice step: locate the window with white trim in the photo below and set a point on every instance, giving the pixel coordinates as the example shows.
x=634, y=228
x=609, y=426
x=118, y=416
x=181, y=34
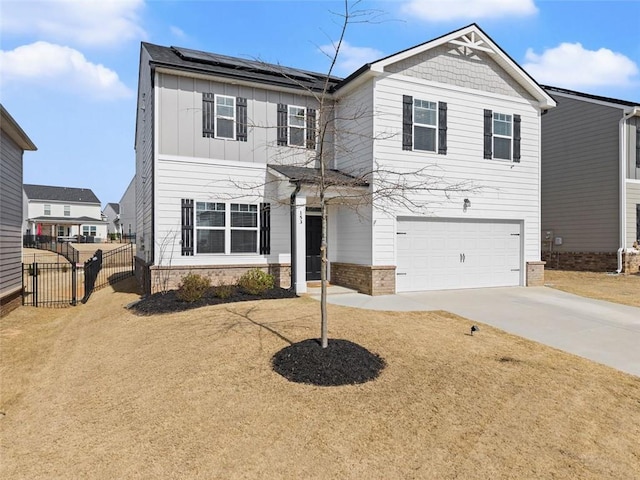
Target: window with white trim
x=89, y=230
x=502, y=135
x=226, y=228
x=425, y=125
x=225, y=116
x=67, y=210
x=47, y=209
x=297, y=123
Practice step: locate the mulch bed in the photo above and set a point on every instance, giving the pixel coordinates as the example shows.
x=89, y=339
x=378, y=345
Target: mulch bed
x=341, y=363
x=169, y=303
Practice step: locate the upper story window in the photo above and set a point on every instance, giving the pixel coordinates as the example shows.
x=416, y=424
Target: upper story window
x=67, y=210
x=501, y=136
x=47, y=209
x=424, y=125
x=296, y=126
x=224, y=117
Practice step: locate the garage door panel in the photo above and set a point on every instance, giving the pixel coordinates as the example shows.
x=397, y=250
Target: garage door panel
x=448, y=253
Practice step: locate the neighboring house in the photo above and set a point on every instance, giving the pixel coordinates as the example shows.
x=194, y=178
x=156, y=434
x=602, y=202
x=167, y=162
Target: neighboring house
x=591, y=183
x=128, y=211
x=111, y=214
x=63, y=213
x=226, y=173
x=13, y=143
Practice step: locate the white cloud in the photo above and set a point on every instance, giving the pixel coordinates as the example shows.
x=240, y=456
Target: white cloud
x=470, y=10
x=571, y=65
x=177, y=32
x=57, y=67
x=82, y=22
x=351, y=58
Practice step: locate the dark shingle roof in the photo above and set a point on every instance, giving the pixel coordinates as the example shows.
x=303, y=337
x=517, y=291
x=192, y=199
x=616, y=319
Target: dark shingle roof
x=312, y=176
x=240, y=68
x=114, y=206
x=60, y=194
x=626, y=103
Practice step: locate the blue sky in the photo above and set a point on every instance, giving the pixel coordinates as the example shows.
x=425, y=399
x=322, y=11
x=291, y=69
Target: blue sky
x=69, y=68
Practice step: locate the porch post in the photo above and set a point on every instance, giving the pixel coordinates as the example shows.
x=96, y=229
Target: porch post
x=301, y=241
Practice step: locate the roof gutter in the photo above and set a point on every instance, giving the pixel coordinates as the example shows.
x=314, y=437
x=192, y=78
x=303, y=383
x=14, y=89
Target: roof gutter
x=635, y=111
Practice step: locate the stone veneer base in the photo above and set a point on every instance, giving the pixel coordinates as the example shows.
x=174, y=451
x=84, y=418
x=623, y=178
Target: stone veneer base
x=535, y=274
x=592, y=261
x=10, y=302
x=369, y=279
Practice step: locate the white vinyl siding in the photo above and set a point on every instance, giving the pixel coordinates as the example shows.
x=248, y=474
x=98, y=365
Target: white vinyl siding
x=504, y=190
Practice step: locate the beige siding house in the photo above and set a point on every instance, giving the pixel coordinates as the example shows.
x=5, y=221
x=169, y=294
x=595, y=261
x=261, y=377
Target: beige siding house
x=227, y=159
x=591, y=183
x=13, y=143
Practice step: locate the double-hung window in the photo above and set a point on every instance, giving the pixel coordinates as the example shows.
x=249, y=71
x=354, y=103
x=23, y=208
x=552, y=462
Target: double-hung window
x=67, y=210
x=502, y=135
x=47, y=209
x=297, y=121
x=225, y=116
x=244, y=228
x=210, y=227
x=89, y=230
x=226, y=228
x=425, y=124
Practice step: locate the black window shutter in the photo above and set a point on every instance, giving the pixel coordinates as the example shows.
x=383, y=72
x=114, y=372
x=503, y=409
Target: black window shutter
x=407, y=122
x=442, y=128
x=516, y=138
x=311, y=128
x=638, y=145
x=208, y=115
x=265, y=228
x=282, y=124
x=488, y=134
x=241, y=119
x=187, y=227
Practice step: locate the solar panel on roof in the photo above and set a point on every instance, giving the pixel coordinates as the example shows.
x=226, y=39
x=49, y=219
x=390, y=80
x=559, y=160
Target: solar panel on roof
x=213, y=58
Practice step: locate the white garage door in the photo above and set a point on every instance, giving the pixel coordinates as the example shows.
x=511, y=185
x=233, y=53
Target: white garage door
x=452, y=253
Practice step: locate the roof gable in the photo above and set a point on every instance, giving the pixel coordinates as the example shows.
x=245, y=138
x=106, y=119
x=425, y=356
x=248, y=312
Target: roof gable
x=470, y=41
x=60, y=194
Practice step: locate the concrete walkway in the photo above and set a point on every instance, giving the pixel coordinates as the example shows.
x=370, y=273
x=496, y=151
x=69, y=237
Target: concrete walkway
x=605, y=332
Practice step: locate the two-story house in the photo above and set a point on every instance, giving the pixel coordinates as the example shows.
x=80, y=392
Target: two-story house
x=13, y=143
x=228, y=152
x=111, y=214
x=63, y=214
x=591, y=183
x=121, y=217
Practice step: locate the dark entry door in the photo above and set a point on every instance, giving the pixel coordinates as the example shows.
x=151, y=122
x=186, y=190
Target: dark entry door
x=314, y=238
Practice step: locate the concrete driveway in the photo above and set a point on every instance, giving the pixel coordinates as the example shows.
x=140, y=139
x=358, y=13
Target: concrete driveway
x=605, y=332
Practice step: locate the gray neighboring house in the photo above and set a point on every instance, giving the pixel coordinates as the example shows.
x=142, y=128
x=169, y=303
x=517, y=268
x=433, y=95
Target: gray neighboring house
x=591, y=183
x=111, y=213
x=13, y=143
x=128, y=210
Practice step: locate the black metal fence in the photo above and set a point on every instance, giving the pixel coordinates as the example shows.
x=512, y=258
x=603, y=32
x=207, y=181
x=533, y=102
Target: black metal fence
x=62, y=284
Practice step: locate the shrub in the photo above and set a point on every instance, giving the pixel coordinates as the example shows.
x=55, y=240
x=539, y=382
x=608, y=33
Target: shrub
x=193, y=287
x=256, y=282
x=224, y=292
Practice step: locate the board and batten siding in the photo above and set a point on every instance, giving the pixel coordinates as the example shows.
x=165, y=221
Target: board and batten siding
x=179, y=116
x=144, y=146
x=505, y=190
x=209, y=180
x=633, y=199
x=10, y=216
x=580, y=175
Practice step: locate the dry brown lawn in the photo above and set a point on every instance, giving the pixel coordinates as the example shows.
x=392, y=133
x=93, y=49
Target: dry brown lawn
x=623, y=289
x=96, y=392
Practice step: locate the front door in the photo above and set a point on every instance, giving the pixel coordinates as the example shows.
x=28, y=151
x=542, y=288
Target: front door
x=314, y=239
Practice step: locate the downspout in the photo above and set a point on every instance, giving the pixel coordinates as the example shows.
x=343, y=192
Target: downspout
x=294, y=252
x=623, y=183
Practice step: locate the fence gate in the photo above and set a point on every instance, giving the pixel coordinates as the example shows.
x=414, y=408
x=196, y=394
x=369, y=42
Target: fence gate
x=63, y=284
x=49, y=284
